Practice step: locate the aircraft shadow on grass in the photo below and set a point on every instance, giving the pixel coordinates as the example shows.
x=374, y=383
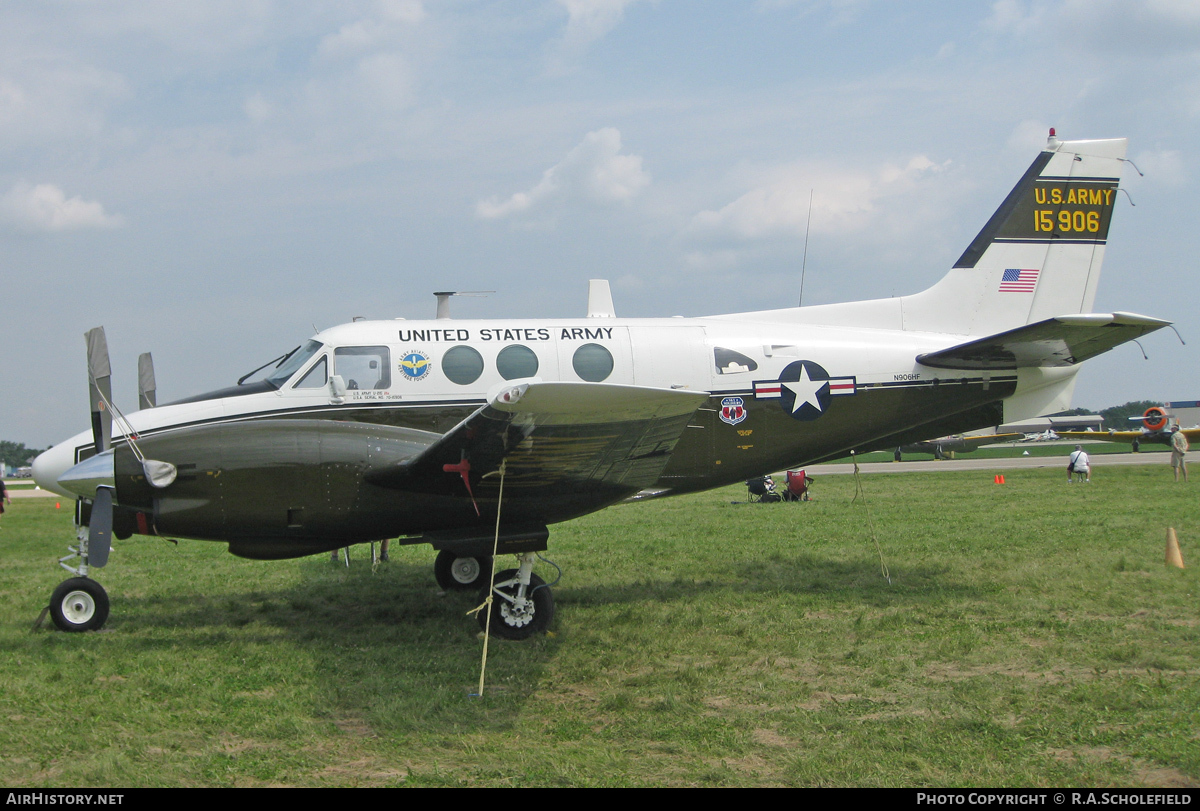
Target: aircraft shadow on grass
x=403, y=606
x=389, y=647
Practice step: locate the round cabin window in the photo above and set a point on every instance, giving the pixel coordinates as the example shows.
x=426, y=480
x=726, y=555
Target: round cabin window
x=516, y=361
x=592, y=363
x=462, y=365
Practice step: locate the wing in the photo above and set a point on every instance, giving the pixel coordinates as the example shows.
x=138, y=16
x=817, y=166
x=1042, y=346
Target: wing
x=972, y=443
x=1062, y=341
x=568, y=448
x=1141, y=437
x=1109, y=436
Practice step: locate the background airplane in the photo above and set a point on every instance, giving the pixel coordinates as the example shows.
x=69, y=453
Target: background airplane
x=958, y=443
x=1157, y=428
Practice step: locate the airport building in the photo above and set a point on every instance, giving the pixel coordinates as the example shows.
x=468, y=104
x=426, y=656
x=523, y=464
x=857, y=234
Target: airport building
x=1187, y=412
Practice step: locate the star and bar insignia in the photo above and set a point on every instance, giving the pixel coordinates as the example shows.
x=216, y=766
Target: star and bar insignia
x=804, y=389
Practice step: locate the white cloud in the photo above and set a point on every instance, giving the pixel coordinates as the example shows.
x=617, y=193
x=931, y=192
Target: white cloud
x=48, y=100
x=587, y=21
x=387, y=79
x=394, y=18
x=46, y=208
x=1012, y=17
x=712, y=260
x=12, y=99
x=843, y=201
x=839, y=12
x=595, y=170
x=351, y=38
x=1028, y=136
x=367, y=64
x=408, y=12
x=257, y=108
x=1163, y=166
x=1116, y=26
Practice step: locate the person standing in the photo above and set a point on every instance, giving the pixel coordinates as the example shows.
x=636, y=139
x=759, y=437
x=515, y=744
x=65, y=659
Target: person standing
x=1179, y=449
x=4, y=499
x=1079, y=464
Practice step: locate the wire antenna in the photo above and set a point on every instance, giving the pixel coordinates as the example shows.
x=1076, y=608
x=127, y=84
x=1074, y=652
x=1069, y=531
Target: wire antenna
x=804, y=261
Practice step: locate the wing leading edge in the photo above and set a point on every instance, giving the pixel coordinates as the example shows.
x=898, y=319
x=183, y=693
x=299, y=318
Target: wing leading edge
x=1061, y=341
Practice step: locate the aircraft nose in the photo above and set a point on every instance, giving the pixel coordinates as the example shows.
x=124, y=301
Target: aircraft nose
x=47, y=467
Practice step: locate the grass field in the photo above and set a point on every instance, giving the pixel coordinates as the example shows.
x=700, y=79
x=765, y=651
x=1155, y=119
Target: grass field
x=1031, y=635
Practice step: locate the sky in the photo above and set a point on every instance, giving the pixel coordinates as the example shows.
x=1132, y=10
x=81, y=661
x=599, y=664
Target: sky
x=215, y=181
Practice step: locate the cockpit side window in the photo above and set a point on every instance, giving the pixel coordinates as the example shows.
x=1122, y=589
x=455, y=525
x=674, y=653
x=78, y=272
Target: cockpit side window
x=730, y=362
x=316, y=377
x=363, y=367
x=293, y=362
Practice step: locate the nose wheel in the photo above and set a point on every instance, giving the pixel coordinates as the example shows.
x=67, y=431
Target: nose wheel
x=79, y=604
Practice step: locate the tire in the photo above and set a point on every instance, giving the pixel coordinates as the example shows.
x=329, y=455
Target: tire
x=79, y=604
x=454, y=573
x=534, y=620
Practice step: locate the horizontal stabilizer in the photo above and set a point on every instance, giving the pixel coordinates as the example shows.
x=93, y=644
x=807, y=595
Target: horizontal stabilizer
x=575, y=435
x=1061, y=341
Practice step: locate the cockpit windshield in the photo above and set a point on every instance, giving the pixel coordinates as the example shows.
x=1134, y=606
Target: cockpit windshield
x=292, y=362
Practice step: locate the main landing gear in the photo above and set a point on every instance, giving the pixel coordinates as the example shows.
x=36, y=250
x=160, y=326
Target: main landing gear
x=522, y=604
x=454, y=573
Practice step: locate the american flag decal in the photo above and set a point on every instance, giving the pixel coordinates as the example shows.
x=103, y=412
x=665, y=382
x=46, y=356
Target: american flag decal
x=1018, y=280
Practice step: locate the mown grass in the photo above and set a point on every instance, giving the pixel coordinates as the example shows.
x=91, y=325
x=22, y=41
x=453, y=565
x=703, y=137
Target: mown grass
x=1030, y=636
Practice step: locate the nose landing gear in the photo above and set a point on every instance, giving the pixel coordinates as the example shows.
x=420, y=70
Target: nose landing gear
x=79, y=604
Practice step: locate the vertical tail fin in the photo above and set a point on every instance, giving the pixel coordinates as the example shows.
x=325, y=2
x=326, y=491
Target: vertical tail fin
x=1039, y=255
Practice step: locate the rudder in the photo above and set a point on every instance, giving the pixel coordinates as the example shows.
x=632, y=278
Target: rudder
x=1039, y=254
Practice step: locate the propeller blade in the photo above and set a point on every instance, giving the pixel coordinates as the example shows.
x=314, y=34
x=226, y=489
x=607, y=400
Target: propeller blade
x=147, y=395
x=100, y=388
x=100, y=528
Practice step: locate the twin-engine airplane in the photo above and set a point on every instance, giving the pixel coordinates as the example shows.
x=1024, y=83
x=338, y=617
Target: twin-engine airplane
x=450, y=432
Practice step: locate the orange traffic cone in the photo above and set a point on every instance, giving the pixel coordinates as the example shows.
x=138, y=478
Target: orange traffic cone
x=1174, y=556
x=998, y=479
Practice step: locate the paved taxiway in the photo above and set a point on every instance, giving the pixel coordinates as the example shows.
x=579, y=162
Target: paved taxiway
x=26, y=492
x=1099, y=462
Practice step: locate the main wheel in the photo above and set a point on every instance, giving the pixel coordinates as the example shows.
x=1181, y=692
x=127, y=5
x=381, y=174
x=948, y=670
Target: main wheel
x=509, y=622
x=461, y=574
x=79, y=604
